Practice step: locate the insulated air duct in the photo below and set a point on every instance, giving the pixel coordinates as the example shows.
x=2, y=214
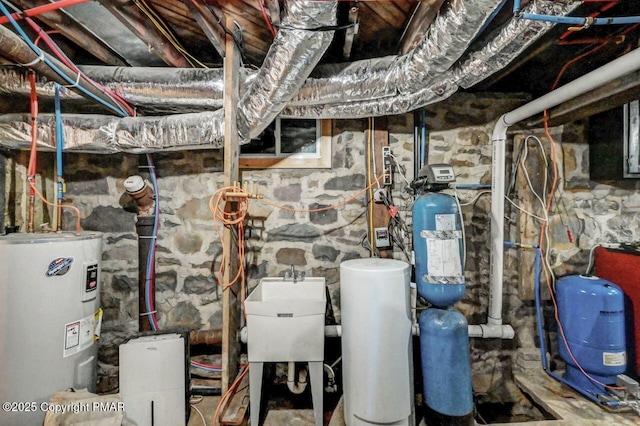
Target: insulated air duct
x=264, y=98
x=510, y=42
x=444, y=42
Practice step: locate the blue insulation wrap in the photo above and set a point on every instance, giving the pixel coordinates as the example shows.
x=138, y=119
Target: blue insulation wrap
x=446, y=362
x=439, y=249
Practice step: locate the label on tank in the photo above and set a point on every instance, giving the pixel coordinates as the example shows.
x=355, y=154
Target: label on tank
x=445, y=222
x=80, y=335
x=614, y=359
x=59, y=266
x=443, y=255
x=91, y=278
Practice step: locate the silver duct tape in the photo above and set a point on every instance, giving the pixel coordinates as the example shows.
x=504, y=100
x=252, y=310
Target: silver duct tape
x=512, y=40
x=292, y=56
x=444, y=42
x=98, y=133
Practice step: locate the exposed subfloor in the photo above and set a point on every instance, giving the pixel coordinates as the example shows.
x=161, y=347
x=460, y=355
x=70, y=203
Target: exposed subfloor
x=559, y=401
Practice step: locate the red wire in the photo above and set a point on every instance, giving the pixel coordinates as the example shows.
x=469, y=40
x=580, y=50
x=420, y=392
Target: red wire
x=42, y=9
x=266, y=19
x=65, y=60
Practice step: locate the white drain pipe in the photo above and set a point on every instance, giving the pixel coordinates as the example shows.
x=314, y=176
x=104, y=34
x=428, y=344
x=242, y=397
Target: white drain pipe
x=615, y=69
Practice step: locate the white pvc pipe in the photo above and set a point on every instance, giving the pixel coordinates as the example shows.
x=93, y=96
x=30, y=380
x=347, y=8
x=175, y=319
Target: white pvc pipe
x=615, y=69
x=487, y=331
x=296, y=386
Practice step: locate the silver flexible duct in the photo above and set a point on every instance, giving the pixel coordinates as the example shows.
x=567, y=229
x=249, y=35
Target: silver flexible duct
x=152, y=91
x=186, y=131
x=442, y=45
x=294, y=53
x=104, y=134
x=512, y=40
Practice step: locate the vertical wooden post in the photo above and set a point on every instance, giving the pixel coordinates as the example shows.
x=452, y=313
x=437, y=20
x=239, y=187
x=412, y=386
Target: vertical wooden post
x=528, y=227
x=230, y=296
x=380, y=213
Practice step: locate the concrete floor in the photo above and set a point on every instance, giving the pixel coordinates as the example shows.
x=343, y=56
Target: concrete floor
x=561, y=402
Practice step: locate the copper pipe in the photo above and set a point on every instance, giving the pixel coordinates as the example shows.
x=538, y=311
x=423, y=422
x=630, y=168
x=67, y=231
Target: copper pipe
x=205, y=337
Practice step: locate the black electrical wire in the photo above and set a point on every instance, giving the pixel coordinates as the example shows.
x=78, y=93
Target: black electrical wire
x=322, y=28
x=236, y=41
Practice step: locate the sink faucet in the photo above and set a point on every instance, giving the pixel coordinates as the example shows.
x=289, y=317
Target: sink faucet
x=293, y=275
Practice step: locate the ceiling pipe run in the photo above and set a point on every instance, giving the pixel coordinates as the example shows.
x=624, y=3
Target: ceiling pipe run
x=16, y=50
x=170, y=90
x=613, y=70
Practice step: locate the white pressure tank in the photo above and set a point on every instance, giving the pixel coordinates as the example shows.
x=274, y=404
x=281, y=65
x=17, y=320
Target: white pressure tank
x=377, y=355
x=49, y=320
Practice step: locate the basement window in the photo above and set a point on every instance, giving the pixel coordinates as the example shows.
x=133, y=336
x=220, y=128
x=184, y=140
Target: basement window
x=290, y=143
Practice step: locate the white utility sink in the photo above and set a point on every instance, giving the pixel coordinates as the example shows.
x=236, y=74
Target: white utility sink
x=285, y=320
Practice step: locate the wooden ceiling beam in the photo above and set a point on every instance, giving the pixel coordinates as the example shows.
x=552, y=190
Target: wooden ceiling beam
x=273, y=7
x=138, y=23
x=422, y=17
x=210, y=24
x=77, y=33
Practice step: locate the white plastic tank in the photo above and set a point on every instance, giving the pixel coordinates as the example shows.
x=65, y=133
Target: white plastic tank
x=49, y=316
x=377, y=353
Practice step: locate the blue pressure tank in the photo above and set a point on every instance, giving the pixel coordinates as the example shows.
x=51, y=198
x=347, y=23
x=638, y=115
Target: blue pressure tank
x=446, y=367
x=591, y=311
x=439, y=249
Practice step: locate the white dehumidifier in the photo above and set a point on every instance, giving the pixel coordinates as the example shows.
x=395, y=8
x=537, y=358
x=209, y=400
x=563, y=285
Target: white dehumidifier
x=153, y=380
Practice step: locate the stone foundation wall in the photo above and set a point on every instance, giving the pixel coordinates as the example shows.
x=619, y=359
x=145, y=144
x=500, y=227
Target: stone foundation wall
x=189, y=250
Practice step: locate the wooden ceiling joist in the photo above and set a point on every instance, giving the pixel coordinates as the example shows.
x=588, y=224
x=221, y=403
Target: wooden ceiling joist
x=209, y=23
x=77, y=33
x=422, y=17
x=135, y=20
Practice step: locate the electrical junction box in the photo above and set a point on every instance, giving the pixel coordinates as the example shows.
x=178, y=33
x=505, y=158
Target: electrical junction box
x=387, y=179
x=382, y=238
x=153, y=380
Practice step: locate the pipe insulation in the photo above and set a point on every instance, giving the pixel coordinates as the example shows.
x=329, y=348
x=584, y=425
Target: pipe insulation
x=445, y=41
x=474, y=67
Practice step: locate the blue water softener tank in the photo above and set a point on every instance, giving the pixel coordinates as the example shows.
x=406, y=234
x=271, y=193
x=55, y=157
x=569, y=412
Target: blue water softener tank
x=439, y=249
x=446, y=367
x=591, y=311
